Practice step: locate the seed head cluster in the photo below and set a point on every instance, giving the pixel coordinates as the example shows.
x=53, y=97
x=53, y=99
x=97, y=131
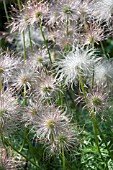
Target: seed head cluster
x=58, y=54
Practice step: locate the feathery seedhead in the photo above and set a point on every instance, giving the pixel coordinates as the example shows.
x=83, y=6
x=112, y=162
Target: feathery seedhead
x=98, y=99
x=82, y=10
x=102, y=10
x=36, y=11
x=78, y=61
x=5, y=162
x=103, y=72
x=40, y=58
x=65, y=140
x=8, y=63
x=25, y=76
x=8, y=104
x=32, y=111
x=50, y=123
x=9, y=161
x=60, y=11
x=29, y=15
x=45, y=86
x=94, y=33
x=9, y=109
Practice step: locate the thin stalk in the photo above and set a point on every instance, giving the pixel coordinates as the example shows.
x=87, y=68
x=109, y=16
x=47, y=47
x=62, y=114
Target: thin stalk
x=93, y=48
x=96, y=138
x=54, y=48
x=6, y=12
x=103, y=49
x=83, y=89
x=63, y=158
x=19, y=5
x=23, y=34
x=45, y=41
x=93, y=119
x=0, y=83
x=92, y=43
x=103, y=138
x=31, y=149
x=92, y=83
x=22, y=146
x=60, y=99
x=24, y=95
x=67, y=24
x=31, y=45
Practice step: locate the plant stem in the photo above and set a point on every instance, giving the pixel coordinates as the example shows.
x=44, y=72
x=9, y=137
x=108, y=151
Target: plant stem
x=63, y=158
x=45, y=41
x=103, y=138
x=93, y=120
x=83, y=89
x=24, y=95
x=19, y=5
x=103, y=49
x=0, y=83
x=67, y=25
x=5, y=8
x=31, y=45
x=96, y=137
x=23, y=34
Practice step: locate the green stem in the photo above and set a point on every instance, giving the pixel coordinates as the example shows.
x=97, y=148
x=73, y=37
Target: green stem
x=103, y=49
x=31, y=149
x=45, y=41
x=92, y=83
x=67, y=25
x=93, y=119
x=83, y=89
x=24, y=95
x=96, y=137
x=63, y=158
x=31, y=45
x=92, y=43
x=21, y=148
x=23, y=34
x=5, y=8
x=103, y=138
x=0, y=83
x=19, y=5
